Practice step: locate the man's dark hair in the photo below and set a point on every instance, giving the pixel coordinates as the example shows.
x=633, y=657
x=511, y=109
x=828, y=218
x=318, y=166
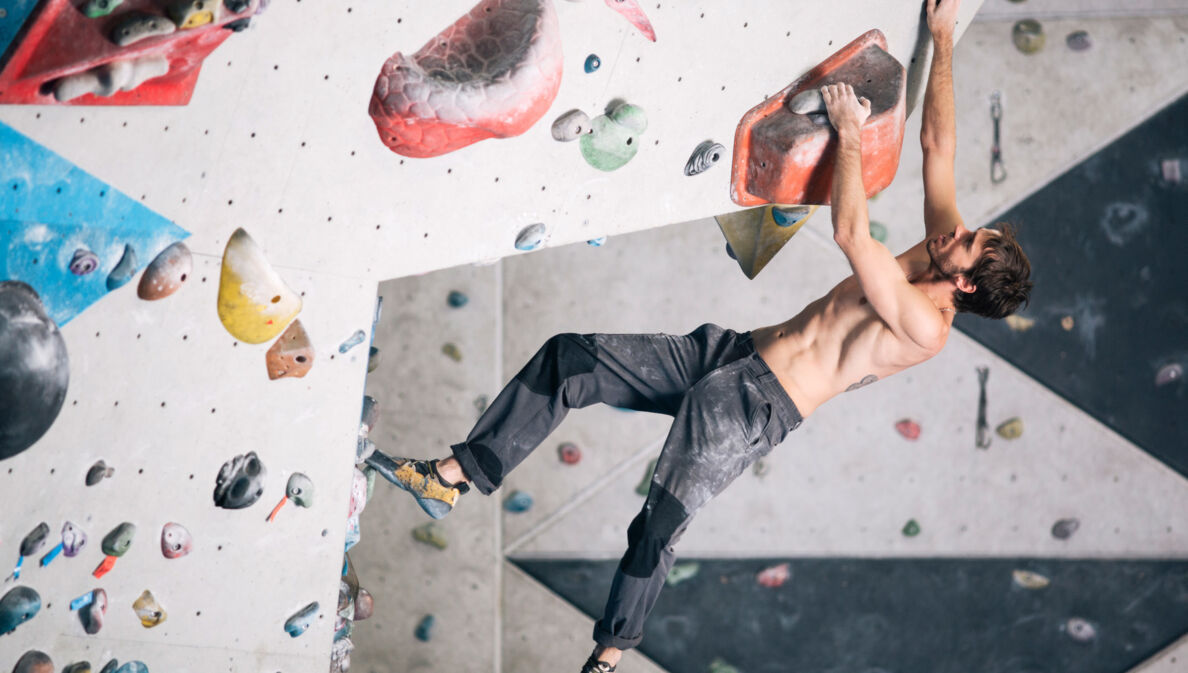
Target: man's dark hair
x=1002, y=276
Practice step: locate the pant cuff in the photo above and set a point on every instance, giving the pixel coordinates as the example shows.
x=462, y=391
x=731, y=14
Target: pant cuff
x=471, y=467
x=608, y=639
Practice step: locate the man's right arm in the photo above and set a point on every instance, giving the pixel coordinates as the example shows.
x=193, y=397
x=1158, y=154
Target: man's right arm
x=938, y=131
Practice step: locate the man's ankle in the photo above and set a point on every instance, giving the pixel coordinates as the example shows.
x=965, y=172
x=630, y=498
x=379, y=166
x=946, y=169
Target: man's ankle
x=451, y=471
x=610, y=655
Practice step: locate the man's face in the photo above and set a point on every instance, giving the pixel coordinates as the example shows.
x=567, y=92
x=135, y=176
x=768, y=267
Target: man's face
x=954, y=253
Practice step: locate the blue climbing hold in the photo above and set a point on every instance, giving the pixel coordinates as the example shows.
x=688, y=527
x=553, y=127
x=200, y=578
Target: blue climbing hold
x=133, y=667
x=597, y=242
x=593, y=63
x=518, y=501
x=531, y=237
x=457, y=299
x=425, y=628
x=123, y=272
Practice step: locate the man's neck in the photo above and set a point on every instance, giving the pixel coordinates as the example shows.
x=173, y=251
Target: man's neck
x=937, y=286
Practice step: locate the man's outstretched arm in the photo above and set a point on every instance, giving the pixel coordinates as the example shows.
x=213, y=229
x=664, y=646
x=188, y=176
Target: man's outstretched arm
x=908, y=312
x=938, y=131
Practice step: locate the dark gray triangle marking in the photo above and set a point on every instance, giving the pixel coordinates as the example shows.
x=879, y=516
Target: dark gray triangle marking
x=899, y=615
x=1107, y=242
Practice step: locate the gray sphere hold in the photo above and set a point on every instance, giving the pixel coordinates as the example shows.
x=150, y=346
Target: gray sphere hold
x=34, y=369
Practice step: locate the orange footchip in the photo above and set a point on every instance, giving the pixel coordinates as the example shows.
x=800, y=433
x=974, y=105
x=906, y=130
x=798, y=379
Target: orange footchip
x=784, y=157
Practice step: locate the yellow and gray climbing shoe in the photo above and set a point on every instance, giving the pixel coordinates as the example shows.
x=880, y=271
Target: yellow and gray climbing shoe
x=593, y=665
x=420, y=478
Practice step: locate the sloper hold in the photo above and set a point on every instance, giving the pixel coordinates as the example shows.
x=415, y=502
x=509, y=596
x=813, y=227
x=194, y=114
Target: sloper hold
x=34, y=369
x=493, y=73
x=301, y=620
x=784, y=157
x=34, y=661
x=124, y=270
x=119, y=540
x=166, y=273
x=149, y=610
x=631, y=11
x=18, y=606
x=292, y=355
x=35, y=539
x=757, y=234
x=254, y=303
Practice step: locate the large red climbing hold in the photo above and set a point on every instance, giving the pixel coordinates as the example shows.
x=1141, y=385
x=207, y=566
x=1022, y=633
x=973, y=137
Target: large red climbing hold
x=492, y=74
x=787, y=156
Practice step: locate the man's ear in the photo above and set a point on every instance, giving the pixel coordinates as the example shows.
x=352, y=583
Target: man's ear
x=965, y=284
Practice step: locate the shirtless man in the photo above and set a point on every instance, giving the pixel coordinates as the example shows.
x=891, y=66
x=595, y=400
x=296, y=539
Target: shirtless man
x=735, y=396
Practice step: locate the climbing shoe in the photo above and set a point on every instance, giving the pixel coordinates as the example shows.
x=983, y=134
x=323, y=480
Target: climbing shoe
x=420, y=477
x=593, y=665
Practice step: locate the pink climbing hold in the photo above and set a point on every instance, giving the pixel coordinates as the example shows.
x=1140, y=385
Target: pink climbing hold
x=493, y=73
x=166, y=273
x=908, y=428
x=774, y=576
x=569, y=453
x=635, y=14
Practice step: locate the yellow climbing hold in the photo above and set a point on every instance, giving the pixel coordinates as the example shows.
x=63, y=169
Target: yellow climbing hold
x=1010, y=429
x=1018, y=323
x=756, y=235
x=255, y=305
x=1030, y=580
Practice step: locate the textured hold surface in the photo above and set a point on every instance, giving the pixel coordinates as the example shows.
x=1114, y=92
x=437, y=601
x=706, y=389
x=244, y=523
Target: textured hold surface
x=908, y=428
x=358, y=494
x=911, y=528
x=613, y=139
x=301, y=620
x=784, y=157
x=1010, y=429
x=119, y=539
x=34, y=369
x=704, y=157
x=166, y=273
x=631, y=10
x=1028, y=36
x=35, y=539
x=518, y=502
x=1064, y=528
x=254, y=303
x=569, y=453
x=176, y=540
x=774, y=576
x=124, y=270
x=137, y=26
x=1030, y=580
x=424, y=630
x=240, y=482
x=83, y=262
x=92, y=615
x=18, y=606
x=808, y=101
x=292, y=355
x=148, y=610
x=754, y=236
x=73, y=539
x=431, y=534
x=531, y=237
x=34, y=661
x=98, y=472
x=364, y=605
x=571, y=126
x=111, y=78
x=1080, y=630
x=493, y=73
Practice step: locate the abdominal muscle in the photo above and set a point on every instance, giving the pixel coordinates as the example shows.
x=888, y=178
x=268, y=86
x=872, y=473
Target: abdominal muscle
x=836, y=344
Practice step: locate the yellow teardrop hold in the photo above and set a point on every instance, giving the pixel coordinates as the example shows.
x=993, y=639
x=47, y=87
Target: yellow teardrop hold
x=1011, y=429
x=255, y=305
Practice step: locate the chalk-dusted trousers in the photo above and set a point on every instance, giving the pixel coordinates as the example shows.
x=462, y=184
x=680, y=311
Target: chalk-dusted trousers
x=728, y=410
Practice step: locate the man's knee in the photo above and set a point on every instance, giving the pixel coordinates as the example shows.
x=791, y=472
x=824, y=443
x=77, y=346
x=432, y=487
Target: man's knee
x=561, y=357
x=653, y=531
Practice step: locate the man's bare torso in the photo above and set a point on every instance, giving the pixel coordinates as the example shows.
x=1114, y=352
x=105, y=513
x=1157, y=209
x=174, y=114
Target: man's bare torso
x=838, y=342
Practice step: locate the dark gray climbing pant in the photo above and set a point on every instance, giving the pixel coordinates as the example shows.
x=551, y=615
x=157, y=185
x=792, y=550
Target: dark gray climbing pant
x=728, y=410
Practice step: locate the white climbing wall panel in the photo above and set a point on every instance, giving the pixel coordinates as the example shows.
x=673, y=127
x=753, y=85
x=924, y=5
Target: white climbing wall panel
x=277, y=140
x=277, y=137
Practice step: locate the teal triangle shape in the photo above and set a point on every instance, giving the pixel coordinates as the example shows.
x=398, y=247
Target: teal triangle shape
x=50, y=208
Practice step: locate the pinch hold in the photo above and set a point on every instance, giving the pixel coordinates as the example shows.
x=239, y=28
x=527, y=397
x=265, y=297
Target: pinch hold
x=704, y=156
x=571, y=126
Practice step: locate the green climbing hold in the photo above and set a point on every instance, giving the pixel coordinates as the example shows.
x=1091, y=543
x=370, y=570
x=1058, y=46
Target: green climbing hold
x=911, y=529
x=681, y=572
x=878, y=231
x=1011, y=428
x=1028, y=36
x=452, y=352
x=613, y=139
x=430, y=534
x=719, y=665
x=646, y=484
